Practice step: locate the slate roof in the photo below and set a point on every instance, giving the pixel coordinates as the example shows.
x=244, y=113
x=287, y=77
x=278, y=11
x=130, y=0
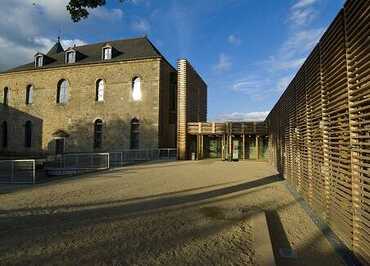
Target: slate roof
x=57, y=48
x=123, y=50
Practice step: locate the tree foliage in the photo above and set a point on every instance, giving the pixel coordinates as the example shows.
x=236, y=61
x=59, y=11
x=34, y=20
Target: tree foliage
x=79, y=8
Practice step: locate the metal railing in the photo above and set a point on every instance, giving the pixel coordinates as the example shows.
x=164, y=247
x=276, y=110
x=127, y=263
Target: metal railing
x=17, y=171
x=130, y=156
x=168, y=154
x=78, y=162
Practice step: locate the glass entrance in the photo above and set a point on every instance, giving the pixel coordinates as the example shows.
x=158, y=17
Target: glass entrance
x=251, y=152
x=214, y=147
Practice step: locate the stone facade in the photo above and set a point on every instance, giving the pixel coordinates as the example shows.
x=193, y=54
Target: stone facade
x=76, y=118
x=90, y=121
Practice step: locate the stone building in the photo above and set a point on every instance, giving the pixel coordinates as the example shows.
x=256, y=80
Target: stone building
x=109, y=96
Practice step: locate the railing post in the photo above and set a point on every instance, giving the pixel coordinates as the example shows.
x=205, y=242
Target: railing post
x=33, y=172
x=12, y=173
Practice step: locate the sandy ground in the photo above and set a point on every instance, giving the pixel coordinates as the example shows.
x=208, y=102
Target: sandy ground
x=177, y=213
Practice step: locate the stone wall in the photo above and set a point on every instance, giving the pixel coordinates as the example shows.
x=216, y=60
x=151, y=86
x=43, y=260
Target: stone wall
x=167, y=103
x=77, y=116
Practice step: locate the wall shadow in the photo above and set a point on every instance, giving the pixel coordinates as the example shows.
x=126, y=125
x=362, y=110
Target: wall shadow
x=154, y=203
x=16, y=121
x=54, y=225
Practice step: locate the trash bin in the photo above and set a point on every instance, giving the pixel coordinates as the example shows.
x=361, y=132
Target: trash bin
x=193, y=156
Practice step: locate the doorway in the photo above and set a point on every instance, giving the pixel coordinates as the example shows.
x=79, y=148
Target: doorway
x=59, y=145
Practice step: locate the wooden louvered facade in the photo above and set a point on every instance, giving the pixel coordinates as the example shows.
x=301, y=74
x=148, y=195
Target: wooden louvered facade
x=191, y=103
x=319, y=130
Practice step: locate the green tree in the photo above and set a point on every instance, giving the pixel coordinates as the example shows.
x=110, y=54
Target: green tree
x=79, y=8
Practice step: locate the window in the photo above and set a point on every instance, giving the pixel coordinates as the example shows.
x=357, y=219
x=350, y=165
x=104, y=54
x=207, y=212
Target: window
x=136, y=89
x=62, y=92
x=4, y=134
x=98, y=133
x=71, y=57
x=28, y=134
x=100, y=90
x=135, y=134
x=107, y=53
x=39, y=61
x=29, y=94
x=6, y=96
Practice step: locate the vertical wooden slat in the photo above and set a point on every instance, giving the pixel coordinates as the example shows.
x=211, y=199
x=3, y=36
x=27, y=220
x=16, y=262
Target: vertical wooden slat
x=357, y=25
x=319, y=130
x=181, y=109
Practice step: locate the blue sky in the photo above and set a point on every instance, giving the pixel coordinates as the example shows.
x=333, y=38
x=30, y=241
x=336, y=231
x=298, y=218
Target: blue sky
x=246, y=50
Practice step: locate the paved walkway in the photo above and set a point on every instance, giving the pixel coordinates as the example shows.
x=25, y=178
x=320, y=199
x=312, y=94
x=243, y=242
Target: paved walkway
x=177, y=213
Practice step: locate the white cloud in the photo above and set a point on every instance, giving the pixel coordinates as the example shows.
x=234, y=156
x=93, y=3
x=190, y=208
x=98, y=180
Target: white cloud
x=303, y=3
x=224, y=63
x=303, y=12
x=249, y=85
x=141, y=25
x=283, y=83
x=233, y=39
x=256, y=87
x=293, y=52
x=273, y=75
x=18, y=53
x=30, y=26
x=240, y=116
x=277, y=63
x=103, y=13
x=69, y=43
x=54, y=10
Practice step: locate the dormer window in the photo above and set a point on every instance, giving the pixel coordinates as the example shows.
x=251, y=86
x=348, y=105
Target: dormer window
x=107, y=53
x=39, y=61
x=71, y=57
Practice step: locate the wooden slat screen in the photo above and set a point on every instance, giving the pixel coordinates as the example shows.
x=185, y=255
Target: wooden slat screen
x=357, y=27
x=319, y=130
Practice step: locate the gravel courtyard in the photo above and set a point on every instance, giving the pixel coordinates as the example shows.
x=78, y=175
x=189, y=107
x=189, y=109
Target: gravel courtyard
x=175, y=213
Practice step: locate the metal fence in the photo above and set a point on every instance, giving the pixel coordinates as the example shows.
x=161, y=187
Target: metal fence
x=17, y=172
x=24, y=171
x=130, y=156
x=320, y=128
x=167, y=154
x=77, y=162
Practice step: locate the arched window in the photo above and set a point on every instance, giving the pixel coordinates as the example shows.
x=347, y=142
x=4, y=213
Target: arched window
x=4, y=134
x=135, y=134
x=6, y=96
x=100, y=90
x=62, y=92
x=28, y=134
x=29, y=94
x=98, y=133
x=136, y=89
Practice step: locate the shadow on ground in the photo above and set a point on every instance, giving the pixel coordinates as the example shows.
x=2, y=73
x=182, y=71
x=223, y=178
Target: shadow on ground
x=169, y=228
